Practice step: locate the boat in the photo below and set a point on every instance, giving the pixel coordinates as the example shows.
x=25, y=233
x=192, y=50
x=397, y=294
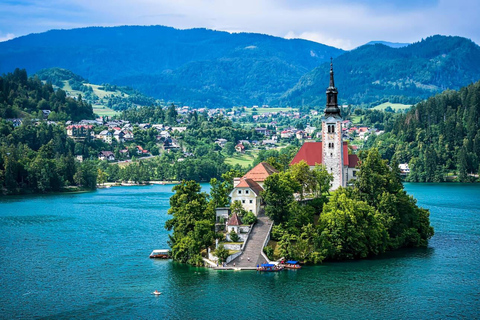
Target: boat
x=291, y=264
x=269, y=267
x=160, y=254
x=156, y=292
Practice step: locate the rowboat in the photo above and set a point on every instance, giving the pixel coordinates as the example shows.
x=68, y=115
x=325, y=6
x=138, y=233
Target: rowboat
x=160, y=254
x=292, y=265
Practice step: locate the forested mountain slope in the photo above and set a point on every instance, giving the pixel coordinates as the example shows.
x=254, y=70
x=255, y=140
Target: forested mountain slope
x=438, y=136
x=378, y=73
x=196, y=67
x=20, y=96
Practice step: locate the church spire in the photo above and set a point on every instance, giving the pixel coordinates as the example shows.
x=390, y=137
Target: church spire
x=332, y=109
x=332, y=82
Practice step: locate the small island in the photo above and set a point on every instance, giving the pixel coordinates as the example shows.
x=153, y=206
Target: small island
x=328, y=205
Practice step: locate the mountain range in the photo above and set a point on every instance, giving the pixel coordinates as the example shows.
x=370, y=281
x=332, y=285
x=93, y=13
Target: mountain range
x=197, y=67
x=200, y=67
x=373, y=74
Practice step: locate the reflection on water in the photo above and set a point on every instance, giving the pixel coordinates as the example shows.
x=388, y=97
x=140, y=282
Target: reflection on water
x=86, y=255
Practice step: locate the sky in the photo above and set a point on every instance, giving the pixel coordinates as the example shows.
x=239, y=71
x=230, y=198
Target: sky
x=343, y=24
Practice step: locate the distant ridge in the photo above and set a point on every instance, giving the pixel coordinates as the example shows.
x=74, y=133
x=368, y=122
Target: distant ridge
x=373, y=74
x=196, y=67
x=389, y=44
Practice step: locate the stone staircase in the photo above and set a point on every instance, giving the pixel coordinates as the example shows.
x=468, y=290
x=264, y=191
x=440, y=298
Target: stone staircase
x=254, y=247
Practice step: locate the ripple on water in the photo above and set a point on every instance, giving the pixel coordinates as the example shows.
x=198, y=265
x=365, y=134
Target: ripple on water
x=86, y=256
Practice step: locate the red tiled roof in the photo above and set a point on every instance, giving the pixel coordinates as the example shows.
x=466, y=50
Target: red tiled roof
x=249, y=183
x=234, y=220
x=312, y=154
x=353, y=160
x=261, y=172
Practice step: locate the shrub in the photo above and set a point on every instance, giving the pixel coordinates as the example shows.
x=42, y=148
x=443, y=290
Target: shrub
x=249, y=218
x=269, y=252
x=234, y=236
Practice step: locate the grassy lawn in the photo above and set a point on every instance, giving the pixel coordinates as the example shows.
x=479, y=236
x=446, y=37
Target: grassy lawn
x=103, y=110
x=394, y=106
x=243, y=159
x=102, y=94
x=355, y=119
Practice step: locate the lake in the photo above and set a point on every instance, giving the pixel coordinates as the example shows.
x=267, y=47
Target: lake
x=85, y=256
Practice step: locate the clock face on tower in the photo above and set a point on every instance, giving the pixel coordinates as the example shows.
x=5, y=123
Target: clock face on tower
x=330, y=136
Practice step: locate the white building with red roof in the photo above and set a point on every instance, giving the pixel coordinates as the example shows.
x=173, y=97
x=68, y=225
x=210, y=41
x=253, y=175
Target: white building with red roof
x=248, y=188
x=332, y=151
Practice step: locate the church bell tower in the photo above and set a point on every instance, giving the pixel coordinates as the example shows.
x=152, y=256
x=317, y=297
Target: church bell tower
x=332, y=145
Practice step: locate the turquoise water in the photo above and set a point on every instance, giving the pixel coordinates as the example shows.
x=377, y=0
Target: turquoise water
x=86, y=256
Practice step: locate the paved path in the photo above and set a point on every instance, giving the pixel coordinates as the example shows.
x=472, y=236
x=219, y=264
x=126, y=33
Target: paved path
x=254, y=247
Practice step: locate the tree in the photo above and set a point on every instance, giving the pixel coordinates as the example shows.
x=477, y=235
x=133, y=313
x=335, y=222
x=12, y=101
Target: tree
x=306, y=179
x=278, y=194
x=323, y=179
x=102, y=176
x=237, y=207
x=222, y=253
x=351, y=229
x=219, y=193
x=379, y=185
x=234, y=236
x=249, y=218
x=229, y=148
x=192, y=222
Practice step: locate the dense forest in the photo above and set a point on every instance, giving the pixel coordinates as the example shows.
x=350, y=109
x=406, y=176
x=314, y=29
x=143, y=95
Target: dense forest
x=437, y=137
x=37, y=156
x=195, y=67
x=374, y=74
x=22, y=96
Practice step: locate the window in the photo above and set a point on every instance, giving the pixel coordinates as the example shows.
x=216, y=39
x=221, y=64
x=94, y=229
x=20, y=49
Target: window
x=243, y=201
x=246, y=192
x=251, y=201
x=354, y=173
x=331, y=128
x=239, y=191
x=331, y=154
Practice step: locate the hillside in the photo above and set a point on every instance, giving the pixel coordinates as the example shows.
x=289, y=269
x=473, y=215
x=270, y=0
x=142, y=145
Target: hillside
x=437, y=137
x=105, y=98
x=196, y=67
x=377, y=73
x=21, y=96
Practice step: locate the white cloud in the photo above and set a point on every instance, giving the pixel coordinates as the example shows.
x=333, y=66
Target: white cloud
x=343, y=23
x=6, y=37
x=321, y=38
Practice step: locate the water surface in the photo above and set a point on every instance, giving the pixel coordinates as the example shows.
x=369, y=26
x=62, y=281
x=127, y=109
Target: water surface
x=86, y=255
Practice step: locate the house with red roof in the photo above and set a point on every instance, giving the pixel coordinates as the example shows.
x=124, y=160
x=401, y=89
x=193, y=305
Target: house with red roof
x=248, y=188
x=332, y=152
x=240, y=148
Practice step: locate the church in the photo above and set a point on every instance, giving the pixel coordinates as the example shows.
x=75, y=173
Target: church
x=332, y=151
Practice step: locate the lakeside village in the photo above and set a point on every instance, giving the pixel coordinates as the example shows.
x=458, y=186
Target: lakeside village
x=264, y=199
x=272, y=135
x=272, y=129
